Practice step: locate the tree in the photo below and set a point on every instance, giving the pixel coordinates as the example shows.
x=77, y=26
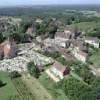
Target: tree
x=69, y=21
x=96, y=82
x=33, y=70
x=54, y=55
x=15, y=74
x=76, y=90
x=95, y=32
x=1, y=83
x=24, y=25
x=1, y=38
x=84, y=72
x=52, y=30
x=46, y=28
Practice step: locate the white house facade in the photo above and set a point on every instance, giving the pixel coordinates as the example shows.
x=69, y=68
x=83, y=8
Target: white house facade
x=79, y=55
x=93, y=42
x=57, y=72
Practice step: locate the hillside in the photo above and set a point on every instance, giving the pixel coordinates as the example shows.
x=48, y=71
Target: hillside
x=86, y=26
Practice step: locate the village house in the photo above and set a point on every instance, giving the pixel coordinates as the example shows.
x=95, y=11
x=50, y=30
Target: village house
x=74, y=32
x=8, y=49
x=39, y=21
x=78, y=44
x=66, y=35
x=79, y=51
x=95, y=42
x=62, y=43
x=58, y=71
x=30, y=31
x=56, y=42
x=38, y=39
x=80, y=55
x=48, y=42
x=66, y=53
x=64, y=38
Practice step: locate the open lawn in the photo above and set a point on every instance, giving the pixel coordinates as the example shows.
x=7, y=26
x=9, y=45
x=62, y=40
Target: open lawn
x=8, y=91
x=49, y=84
x=36, y=88
x=95, y=59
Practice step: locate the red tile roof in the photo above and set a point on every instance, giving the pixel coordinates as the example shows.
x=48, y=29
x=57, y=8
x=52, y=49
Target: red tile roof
x=83, y=53
x=59, y=67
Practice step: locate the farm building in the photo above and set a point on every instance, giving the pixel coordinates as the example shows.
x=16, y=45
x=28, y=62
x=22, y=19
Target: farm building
x=58, y=71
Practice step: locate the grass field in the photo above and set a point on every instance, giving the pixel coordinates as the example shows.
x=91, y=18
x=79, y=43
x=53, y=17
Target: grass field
x=25, y=93
x=87, y=26
x=95, y=59
x=36, y=88
x=24, y=88
x=29, y=88
x=49, y=84
x=14, y=89
x=7, y=91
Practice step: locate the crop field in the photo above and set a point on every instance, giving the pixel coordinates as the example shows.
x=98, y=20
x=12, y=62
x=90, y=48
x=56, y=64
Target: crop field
x=23, y=90
x=87, y=26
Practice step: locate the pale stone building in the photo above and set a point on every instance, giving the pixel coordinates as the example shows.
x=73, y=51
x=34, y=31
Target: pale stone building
x=95, y=42
x=8, y=49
